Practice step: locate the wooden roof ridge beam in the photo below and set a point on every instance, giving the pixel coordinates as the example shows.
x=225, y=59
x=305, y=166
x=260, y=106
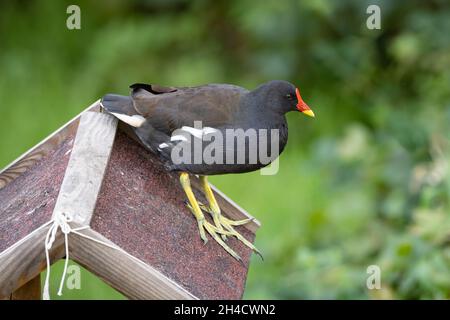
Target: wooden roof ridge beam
x=86, y=167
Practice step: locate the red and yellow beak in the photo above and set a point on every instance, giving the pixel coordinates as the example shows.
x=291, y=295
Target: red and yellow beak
x=302, y=106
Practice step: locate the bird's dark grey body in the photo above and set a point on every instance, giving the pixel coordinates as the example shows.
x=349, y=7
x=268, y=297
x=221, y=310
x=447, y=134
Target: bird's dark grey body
x=160, y=114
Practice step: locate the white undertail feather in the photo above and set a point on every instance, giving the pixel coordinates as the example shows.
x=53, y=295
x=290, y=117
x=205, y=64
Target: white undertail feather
x=163, y=145
x=178, y=137
x=134, y=120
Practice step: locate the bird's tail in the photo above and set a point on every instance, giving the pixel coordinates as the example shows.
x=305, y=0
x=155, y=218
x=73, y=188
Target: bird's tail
x=115, y=103
x=122, y=108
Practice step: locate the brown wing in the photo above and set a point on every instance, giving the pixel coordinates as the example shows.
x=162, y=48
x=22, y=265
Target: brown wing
x=170, y=108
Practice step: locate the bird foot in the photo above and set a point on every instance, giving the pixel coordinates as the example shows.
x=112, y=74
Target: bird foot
x=224, y=227
x=225, y=219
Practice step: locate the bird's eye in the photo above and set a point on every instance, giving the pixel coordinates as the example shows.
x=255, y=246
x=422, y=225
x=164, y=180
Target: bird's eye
x=290, y=96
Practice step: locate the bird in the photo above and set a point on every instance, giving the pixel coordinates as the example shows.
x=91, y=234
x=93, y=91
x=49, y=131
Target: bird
x=176, y=124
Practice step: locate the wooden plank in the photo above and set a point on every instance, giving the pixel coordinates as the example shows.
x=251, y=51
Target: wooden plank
x=29, y=291
x=36, y=153
x=25, y=260
x=86, y=167
x=126, y=274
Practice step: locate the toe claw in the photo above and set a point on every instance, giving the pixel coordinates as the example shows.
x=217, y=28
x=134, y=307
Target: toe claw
x=237, y=222
x=259, y=254
x=212, y=230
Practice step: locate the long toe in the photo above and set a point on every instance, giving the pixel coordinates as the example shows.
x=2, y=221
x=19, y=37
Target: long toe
x=237, y=222
x=227, y=225
x=216, y=215
x=212, y=230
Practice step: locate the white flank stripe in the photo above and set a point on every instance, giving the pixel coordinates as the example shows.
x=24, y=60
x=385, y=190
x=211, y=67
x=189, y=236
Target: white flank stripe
x=198, y=133
x=134, y=120
x=178, y=138
x=163, y=145
x=208, y=130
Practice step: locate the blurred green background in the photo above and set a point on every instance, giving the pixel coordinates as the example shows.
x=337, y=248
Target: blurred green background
x=366, y=182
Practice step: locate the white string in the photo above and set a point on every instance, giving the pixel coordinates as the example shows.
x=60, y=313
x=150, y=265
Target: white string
x=62, y=220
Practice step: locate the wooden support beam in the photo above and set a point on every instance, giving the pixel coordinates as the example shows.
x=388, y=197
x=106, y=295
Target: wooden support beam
x=29, y=291
x=127, y=274
x=86, y=167
x=25, y=260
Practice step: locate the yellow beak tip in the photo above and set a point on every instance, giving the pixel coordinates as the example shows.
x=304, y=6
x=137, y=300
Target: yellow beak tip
x=309, y=113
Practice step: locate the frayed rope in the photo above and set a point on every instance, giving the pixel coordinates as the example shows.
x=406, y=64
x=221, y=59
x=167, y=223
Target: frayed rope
x=62, y=221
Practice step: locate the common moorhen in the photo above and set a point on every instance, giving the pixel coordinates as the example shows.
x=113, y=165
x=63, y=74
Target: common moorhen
x=172, y=121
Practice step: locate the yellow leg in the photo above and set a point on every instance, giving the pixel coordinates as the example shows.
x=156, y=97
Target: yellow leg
x=196, y=211
x=213, y=205
x=220, y=221
x=202, y=223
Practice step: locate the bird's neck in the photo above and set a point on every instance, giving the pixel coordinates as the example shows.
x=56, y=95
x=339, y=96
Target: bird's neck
x=259, y=106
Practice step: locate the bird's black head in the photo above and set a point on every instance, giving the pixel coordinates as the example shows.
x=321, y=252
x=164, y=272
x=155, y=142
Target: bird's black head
x=281, y=96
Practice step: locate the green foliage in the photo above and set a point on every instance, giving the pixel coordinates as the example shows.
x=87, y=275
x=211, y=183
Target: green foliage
x=366, y=182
